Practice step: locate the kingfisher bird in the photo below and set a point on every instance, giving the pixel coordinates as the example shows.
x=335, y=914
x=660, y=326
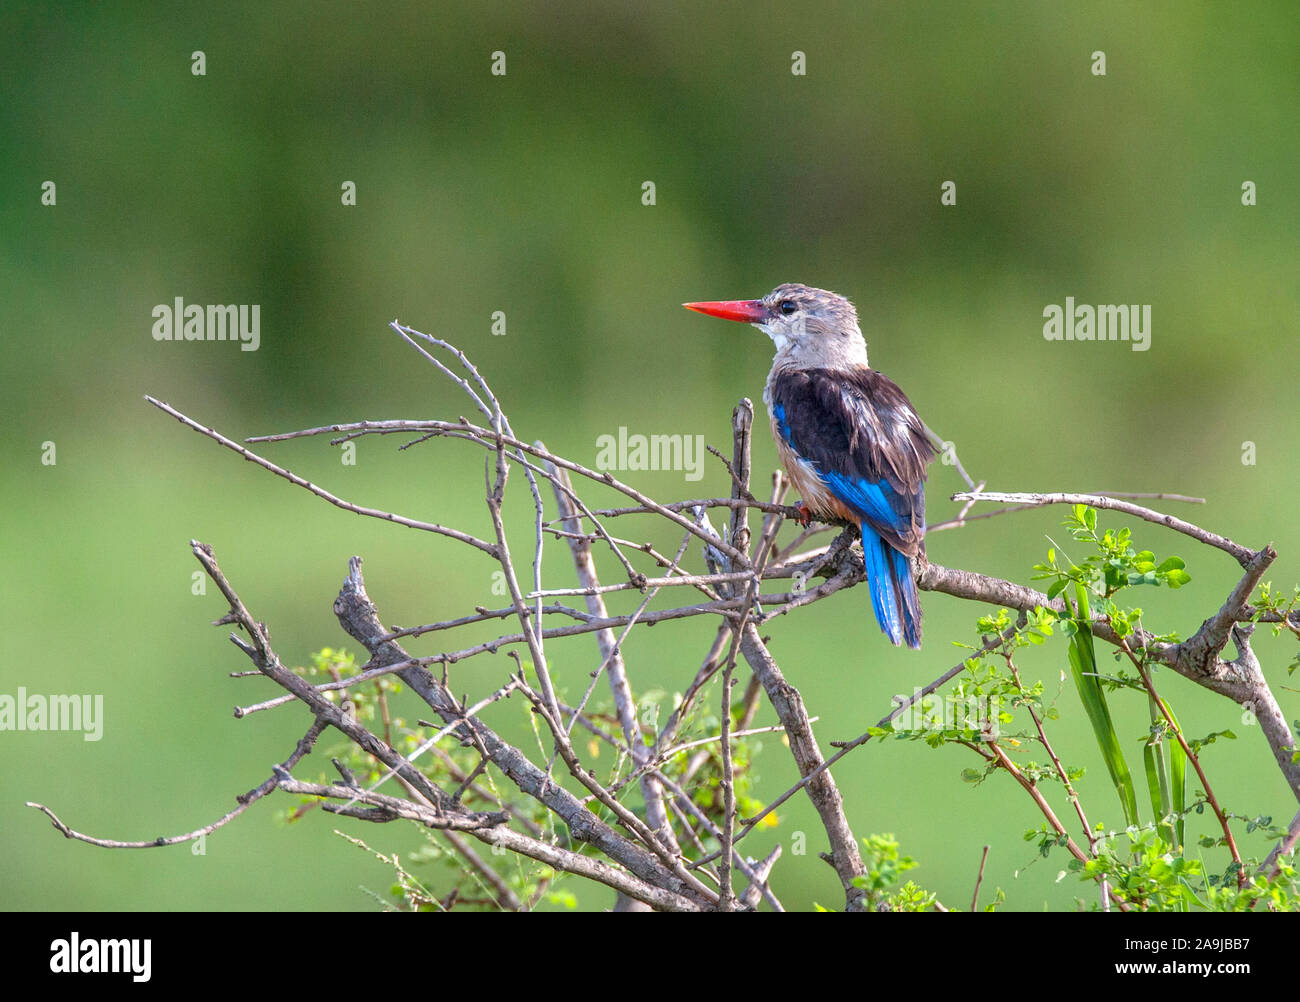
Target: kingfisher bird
x=849, y=438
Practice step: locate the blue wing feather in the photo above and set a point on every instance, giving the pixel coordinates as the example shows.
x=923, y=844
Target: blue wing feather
x=880, y=582
x=874, y=500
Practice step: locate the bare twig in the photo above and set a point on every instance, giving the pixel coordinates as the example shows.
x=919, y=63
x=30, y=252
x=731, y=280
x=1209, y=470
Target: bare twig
x=612, y=658
x=979, y=879
x=293, y=478
x=1242, y=554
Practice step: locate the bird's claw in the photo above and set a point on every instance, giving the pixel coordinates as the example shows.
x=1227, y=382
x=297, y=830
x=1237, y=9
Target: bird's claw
x=805, y=513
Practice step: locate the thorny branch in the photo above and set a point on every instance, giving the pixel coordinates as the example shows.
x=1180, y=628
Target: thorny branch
x=643, y=855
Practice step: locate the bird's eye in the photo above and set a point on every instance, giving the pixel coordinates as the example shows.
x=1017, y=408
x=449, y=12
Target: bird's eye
x=787, y=307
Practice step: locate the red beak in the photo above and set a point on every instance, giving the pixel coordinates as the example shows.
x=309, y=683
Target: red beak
x=749, y=311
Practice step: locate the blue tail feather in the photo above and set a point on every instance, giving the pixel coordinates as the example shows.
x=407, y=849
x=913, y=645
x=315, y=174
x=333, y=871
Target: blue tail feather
x=893, y=591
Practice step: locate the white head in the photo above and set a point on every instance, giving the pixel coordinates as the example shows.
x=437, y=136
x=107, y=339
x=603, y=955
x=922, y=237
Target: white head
x=811, y=328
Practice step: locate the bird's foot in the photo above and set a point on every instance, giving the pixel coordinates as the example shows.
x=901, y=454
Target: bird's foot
x=805, y=513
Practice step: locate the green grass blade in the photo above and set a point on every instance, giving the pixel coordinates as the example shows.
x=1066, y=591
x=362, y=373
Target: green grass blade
x=1177, y=777
x=1156, y=758
x=1083, y=665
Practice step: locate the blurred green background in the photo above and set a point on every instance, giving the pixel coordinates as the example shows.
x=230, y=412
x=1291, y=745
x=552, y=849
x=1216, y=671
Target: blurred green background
x=522, y=193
